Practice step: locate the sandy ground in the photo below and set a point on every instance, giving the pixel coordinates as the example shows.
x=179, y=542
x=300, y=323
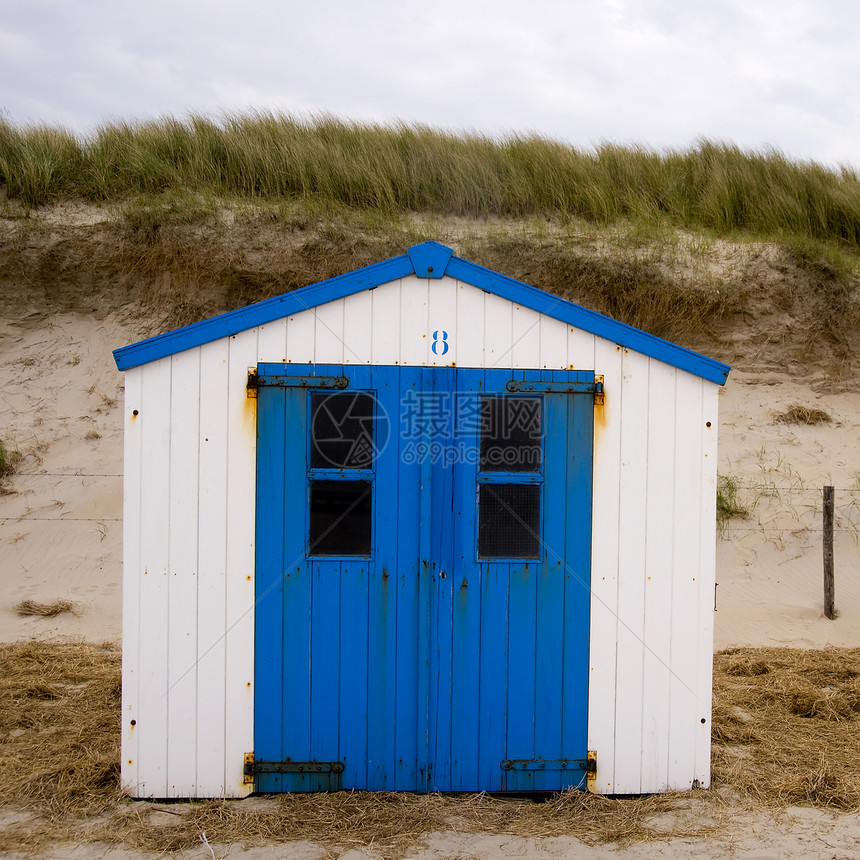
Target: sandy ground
x=60, y=539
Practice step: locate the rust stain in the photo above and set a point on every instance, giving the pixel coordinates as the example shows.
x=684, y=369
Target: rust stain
x=601, y=418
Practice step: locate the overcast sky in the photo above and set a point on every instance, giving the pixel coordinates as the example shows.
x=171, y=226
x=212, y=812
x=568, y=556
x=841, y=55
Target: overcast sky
x=662, y=73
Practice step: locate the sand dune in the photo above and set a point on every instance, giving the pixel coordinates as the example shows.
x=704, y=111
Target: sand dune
x=60, y=515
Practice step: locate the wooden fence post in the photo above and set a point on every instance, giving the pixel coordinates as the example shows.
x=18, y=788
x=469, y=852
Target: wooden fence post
x=829, y=584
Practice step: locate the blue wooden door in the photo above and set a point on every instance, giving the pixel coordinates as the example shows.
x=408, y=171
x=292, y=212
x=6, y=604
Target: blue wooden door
x=423, y=565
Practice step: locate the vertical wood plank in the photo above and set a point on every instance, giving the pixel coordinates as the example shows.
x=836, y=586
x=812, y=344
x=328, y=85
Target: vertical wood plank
x=358, y=314
x=414, y=337
x=329, y=332
x=385, y=331
x=405, y=489
x=525, y=331
x=550, y=626
x=244, y=352
x=706, y=580
x=295, y=633
x=442, y=317
x=152, y=724
x=132, y=576
x=212, y=573
x=604, y=569
x=470, y=326
x=269, y=578
x=272, y=342
x=659, y=512
x=498, y=326
x=553, y=343
x=301, y=337
x=577, y=586
x=580, y=349
x=683, y=716
x=631, y=571
x=182, y=612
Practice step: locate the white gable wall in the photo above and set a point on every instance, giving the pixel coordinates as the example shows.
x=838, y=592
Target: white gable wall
x=188, y=624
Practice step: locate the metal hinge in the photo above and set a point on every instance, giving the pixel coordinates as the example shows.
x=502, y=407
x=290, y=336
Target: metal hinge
x=599, y=394
x=253, y=768
x=591, y=772
x=551, y=764
x=251, y=387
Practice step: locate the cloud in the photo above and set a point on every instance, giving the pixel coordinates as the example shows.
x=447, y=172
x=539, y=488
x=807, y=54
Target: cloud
x=657, y=72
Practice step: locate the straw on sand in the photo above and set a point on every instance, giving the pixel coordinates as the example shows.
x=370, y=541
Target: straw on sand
x=785, y=732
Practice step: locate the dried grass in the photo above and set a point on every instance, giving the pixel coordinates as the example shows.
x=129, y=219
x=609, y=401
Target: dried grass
x=45, y=610
x=786, y=726
x=799, y=414
x=785, y=732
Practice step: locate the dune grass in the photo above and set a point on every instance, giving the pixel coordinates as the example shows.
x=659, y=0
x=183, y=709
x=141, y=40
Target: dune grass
x=407, y=167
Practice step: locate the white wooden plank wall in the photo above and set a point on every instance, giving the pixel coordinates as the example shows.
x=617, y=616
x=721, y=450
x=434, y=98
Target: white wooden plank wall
x=706, y=580
x=241, y=526
x=131, y=580
x=189, y=533
x=182, y=574
x=154, y=418
x=604, y=566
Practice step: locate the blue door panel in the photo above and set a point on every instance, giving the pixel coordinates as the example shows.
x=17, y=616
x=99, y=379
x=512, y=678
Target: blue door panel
x=422, y=668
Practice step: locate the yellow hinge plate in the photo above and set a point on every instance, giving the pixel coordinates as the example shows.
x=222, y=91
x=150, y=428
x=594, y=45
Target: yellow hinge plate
x=591, y=773
x=248, y=778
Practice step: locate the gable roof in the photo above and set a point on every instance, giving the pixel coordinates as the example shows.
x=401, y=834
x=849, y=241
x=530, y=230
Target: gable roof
x=427, y=260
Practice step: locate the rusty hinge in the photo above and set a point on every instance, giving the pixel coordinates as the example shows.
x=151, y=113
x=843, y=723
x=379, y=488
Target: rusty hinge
x=251, y=387
x=253, y=768
x=591, y=772
x=552, y=764
x=599, y=394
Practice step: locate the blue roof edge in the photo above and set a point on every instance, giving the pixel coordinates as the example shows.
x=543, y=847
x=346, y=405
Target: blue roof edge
x=588, y=320
x=233, y=322
x=417, y=261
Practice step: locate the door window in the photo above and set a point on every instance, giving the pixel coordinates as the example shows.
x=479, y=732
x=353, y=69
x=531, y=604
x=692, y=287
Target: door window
x=341, y=474
x=510, y=477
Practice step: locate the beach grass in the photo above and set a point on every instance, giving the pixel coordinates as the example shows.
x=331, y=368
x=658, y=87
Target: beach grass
x=405, y=167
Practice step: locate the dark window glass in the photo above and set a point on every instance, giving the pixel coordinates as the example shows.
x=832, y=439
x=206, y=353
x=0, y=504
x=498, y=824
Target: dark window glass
x=341, y=430
x=511, y=434
x=509, y=521
x=341, y=515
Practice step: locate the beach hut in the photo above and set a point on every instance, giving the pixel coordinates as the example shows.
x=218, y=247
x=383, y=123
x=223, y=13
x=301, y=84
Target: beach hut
x=418, y=527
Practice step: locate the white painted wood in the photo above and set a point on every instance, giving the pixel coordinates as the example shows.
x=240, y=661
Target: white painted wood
x=580, y=349
x=241, y=492
x=553, y=343
x=631, y=570
x=181, y=633
x=684, y=620
x=272, y=338
x=385, y=334
x=469, y=332
x=707, y=578
x=329, y=333
x=414, y=308
x=525, y=348
x=152, y=724
x=498, y=328
x=357, y=313
x=604, y=567
x=443, y=317
x=659, y=511
x=131, y=579
x=301, y=337
x=212, y=587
